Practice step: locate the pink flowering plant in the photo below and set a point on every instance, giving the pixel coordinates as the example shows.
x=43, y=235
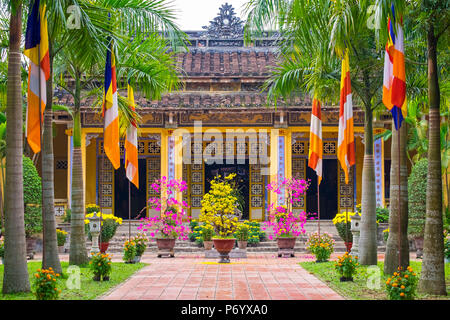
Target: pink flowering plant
x=169, y=224
x=282, y=218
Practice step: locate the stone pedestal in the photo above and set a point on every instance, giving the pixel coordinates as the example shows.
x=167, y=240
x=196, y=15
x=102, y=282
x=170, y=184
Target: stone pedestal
x=355, y=228
x=166, y=253
x=94, y=228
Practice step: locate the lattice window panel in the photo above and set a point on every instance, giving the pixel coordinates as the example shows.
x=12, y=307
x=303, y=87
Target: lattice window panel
x=106, y=183
x=196, y=202
x=122, y=147
x=256, y=201
x=257, y=190
x=346, y=191
x=299, y=172
x=61, y=164
x=300, y=148
x=329, y=148
x=196, y=185
x=153, y=174
x=153, y=147
x=141, y=147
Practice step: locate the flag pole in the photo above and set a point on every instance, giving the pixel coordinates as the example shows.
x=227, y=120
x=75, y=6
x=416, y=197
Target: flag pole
x=318, y=204
x=399, y=192
x=40, y=141
x=129, y=211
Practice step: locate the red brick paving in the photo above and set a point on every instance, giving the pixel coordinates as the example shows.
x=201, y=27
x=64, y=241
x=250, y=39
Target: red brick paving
x=192, y=277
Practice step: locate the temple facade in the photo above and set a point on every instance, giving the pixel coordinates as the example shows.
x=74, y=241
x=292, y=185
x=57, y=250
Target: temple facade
x=219, y=122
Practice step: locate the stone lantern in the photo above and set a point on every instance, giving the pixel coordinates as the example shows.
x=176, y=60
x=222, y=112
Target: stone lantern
x=94, y=228
x=355, y=229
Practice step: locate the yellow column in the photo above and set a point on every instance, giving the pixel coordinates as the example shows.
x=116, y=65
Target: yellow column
x=274, y=133
x=83, y=162
x=179, y=162
x=164, y=154
x=288, y=150
x=69, y=166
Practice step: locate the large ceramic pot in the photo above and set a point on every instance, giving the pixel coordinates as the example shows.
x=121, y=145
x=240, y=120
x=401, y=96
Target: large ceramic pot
x=418, y=241
x=242, y=245
x=61, y=249
x=104, y=246
x=286, y=243
x=348, y=245
x=224, y=246
x=165, y=244
x=208, y=245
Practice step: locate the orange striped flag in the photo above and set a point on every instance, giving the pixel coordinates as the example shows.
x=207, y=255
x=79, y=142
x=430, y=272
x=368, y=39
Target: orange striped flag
x=36, y=49
x=131, y=151
x=111, y=111
x=346, y=136
x=315, y=140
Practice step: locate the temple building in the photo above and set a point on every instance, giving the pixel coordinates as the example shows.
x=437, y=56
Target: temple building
x=219, y=122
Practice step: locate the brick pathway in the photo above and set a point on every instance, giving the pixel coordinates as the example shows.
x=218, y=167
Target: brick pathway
x=259, y=277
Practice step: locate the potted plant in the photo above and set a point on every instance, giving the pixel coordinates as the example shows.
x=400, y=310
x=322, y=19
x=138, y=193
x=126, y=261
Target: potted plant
x=207, y=233
x=45, y=284
x=109, y=225
x=286, y=224
x=32, y=197
x=417, y=185
x=320, y=245
x=168, y=226
x=218, y=210
x=242, y=234
x=255, y=233
x=129, y=251
x=402, y=284
x=342, y=222
x=100, y=265
x=2, y=249
x=141, y=244
x=61, y=237
x=346, y=266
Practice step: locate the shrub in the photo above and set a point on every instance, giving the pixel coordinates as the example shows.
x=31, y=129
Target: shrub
x=61, y=237
x=447, y=245
x=402, y=285
x=343, y=228
x=242, y=232
x=141, y=243
x=193, y=234
x=382, y=214
x=255, y=233
x=417, y=186
x=45, y=284
x=32, y=198
x=129, y=251
x=100, y=264
x=67, y=215
x=207, y=232
x=346, y=265
x=322, y=246
x=385, y=234
x=2, y=248
x=109, y=223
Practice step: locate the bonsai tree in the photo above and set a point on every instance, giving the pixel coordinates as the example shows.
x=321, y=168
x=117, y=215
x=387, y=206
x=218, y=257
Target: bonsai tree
x=32, y=198
x=218, y=207
x=417, y=187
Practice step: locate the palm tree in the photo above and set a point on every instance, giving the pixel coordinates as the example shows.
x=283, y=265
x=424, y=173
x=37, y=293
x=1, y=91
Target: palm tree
x=313, y=31
x=15, y=277
x=119, y=20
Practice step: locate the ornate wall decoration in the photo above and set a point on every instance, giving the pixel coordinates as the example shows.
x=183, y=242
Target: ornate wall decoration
x=226, y=25
x=228, y=119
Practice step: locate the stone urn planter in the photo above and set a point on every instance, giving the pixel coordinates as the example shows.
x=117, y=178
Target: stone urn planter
x=418, y=241
x=242, y=244
x=208, y=245
x=137, y=259
x=61, y=249
x=104, y=246
x=285, y=243
x=224, y=246
x=165, y=247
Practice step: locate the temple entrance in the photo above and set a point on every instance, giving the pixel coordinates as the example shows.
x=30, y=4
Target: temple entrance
x=242, y=180
x=328, y=190
x=138, y=196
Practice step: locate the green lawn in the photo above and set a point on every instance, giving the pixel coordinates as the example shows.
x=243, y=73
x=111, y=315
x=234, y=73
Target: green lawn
x=362, y=288
x=89, y=289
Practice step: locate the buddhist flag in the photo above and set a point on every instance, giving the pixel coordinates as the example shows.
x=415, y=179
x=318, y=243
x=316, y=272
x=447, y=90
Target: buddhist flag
x=346, y=137
x=315, y=140
x=36, y=49
x=131, y=151
x=111, y=111
x=394, y=81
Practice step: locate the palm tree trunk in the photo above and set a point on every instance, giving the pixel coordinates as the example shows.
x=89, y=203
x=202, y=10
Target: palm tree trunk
x=15, y=276
x=78, y=253
x=50, y=256
x=368, y=236
x=398, y=210
x=432, y=276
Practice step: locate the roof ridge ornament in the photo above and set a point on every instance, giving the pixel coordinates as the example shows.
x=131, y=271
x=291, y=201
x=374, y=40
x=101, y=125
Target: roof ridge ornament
x=226, y=25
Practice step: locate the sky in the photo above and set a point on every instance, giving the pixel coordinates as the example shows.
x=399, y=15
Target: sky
x=193, y=14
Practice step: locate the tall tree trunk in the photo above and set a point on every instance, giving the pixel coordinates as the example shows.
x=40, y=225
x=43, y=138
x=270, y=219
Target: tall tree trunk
x=15, y=276
x=368, y=236
x=398, y=205
x=432, y=276
x=50, y=256
x=78, y=253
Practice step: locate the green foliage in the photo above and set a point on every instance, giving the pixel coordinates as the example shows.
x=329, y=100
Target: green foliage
x=129, y=251
x=45, y=284
x=402, y=285
x=141, y=244
x=67, y=215
x=344, y=232
x=255, y=233
x=2, y=248
x=242, y=232
x=346, y=265
x=32, y=198
x=193, y=234
x=447, y=245
x=382, y=214
x=417, y=189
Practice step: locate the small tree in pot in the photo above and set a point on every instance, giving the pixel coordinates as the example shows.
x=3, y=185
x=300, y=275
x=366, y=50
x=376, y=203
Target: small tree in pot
x=417, y=186
x=242, y=234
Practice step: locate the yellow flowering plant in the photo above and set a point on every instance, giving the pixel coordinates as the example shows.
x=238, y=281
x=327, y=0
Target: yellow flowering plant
x=61, y=237
x=129, y=251
x=218, y=207
x=109, y=224
x=45, y=284
x=242, y=232
x=343, y=228
x=321, y=245
x=100, y=265
x=346, y=266
x=402, y=284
